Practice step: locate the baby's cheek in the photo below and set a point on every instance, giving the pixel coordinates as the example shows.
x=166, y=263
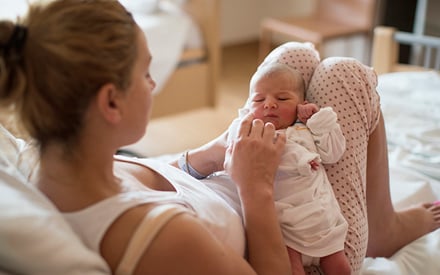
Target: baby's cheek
x=258, y=113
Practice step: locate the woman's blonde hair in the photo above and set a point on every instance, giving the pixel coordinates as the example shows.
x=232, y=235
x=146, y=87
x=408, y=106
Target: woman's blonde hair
x=54, y=61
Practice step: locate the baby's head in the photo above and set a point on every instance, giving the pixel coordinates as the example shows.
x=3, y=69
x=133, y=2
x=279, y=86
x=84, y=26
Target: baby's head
x=289, y=77
x=302, y=57
x=274, y=93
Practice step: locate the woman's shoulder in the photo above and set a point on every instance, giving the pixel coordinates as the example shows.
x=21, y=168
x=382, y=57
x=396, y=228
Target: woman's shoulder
x=147, y=238
x=133, y=232
x=184, y=241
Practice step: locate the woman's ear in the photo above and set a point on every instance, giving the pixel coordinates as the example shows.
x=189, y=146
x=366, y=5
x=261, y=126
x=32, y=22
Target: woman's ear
x=109, y=103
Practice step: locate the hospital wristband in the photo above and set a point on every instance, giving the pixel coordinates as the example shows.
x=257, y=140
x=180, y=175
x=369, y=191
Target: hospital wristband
x=185, y=166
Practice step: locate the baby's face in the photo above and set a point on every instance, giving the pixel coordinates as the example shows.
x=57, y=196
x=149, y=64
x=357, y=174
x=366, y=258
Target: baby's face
x=274, y=99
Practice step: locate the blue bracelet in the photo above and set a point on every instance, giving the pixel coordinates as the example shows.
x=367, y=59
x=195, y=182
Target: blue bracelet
x=185, y=166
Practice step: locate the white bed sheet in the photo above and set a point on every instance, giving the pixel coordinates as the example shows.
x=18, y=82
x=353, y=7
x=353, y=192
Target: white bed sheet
x=168, y=33
x=410, y=104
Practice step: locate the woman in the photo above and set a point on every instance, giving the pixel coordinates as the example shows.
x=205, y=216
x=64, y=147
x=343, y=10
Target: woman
x=77, y=75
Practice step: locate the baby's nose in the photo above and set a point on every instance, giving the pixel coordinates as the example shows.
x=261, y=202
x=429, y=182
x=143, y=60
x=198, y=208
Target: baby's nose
x=270, y=104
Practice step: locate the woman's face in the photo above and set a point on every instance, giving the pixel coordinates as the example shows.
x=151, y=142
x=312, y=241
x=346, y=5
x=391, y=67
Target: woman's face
x=274, y=99
x=139, y=94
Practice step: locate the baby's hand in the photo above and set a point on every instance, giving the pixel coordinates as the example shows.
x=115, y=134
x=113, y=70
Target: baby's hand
x=314, y=165
x=306, y=110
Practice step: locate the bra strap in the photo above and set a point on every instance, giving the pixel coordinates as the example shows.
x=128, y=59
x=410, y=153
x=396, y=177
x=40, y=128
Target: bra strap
x=145, y=234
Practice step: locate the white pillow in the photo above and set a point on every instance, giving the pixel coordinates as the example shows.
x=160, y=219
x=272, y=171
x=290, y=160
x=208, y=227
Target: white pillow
x=178, y=3
x=141, y=6
x=34, y=237
x=16, y=152
x=12, y=9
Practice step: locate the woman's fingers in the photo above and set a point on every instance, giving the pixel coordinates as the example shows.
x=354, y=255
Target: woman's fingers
x=257, y=128
x=245, y=125
x=269, y=132
x=250, y=127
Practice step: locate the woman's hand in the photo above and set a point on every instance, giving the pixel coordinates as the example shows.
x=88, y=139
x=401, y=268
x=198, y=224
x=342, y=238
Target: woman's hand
x=252, y=160
x=208, y=158
x=254, y=156
x=217, y=151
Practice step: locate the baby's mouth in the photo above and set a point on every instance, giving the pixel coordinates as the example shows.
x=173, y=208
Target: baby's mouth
x=271, y=116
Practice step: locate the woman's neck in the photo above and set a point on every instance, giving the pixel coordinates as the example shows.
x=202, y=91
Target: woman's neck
x=74, y=179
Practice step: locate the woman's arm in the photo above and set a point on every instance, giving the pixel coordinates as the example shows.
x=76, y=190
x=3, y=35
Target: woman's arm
x=252, y=161
x=207, y=158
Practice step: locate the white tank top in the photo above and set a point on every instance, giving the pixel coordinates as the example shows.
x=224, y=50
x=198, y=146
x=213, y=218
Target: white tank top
x=92, y=222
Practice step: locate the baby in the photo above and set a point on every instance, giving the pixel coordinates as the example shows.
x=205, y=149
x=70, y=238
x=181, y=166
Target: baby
x=313, y=226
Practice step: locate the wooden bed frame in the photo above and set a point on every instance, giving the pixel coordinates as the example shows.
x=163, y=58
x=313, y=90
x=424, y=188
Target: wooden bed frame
x=194, y=83
x=385, y=51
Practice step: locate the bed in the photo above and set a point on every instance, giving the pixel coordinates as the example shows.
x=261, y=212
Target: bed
x=410, y=100
x=183, y=36
x=190, y=80
x=387, y=43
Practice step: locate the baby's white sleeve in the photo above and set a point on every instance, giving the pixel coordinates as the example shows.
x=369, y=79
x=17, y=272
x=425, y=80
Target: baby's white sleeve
x=327, y=135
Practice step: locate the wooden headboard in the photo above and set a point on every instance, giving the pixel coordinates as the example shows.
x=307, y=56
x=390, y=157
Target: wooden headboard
x=385, y=51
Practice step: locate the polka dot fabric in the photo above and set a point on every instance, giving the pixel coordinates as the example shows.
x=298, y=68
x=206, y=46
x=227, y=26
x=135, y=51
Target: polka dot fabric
x=299, y=56
x=349, y=87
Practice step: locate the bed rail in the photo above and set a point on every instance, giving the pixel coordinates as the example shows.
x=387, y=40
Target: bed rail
x=427, y=46
x=426, y=50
